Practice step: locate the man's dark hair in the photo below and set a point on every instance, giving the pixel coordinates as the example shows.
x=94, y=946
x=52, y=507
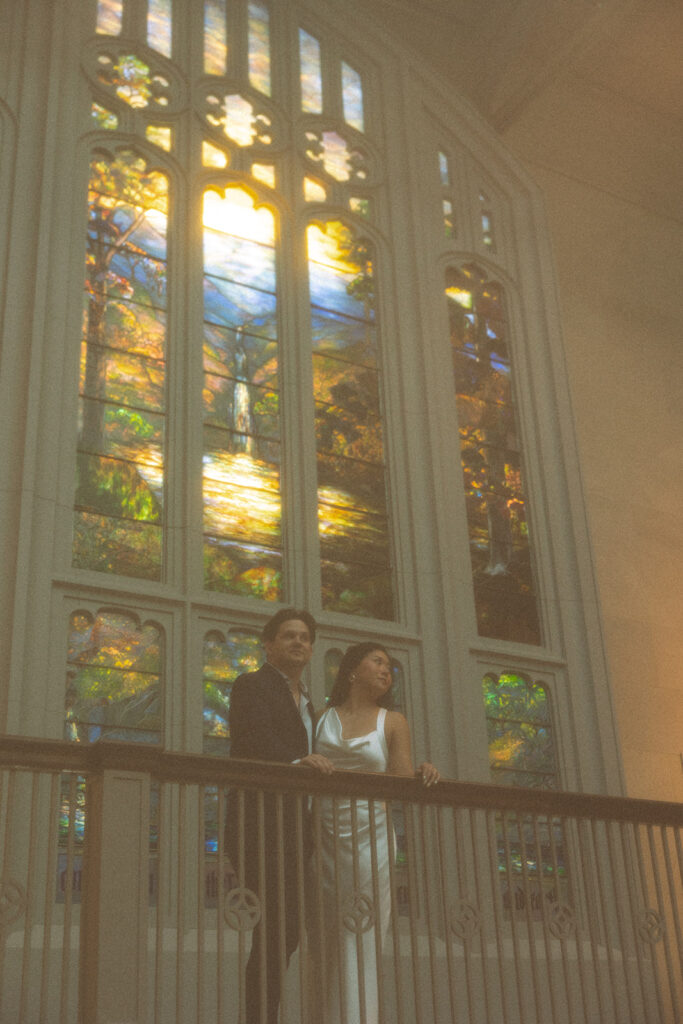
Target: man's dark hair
x=270, y=630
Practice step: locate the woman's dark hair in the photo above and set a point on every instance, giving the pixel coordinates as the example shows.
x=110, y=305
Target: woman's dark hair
x=351, y=660
x=272, y=626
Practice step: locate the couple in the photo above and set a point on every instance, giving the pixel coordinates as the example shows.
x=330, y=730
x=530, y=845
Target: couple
x=272, y=719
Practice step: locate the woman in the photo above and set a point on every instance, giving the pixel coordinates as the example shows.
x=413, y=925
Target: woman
x=357, y=733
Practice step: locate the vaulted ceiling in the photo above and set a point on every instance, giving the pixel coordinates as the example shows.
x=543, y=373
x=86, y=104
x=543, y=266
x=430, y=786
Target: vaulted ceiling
x=502, y=54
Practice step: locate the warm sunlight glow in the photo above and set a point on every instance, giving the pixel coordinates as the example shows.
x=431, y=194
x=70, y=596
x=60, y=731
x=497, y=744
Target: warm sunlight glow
x=234, y=214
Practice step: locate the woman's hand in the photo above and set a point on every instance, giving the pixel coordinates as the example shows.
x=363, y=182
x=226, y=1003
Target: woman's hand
x=319, y=762
x=428, y=773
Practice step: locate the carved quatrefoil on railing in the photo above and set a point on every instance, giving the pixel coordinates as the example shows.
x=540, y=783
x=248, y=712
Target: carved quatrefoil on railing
x=242, y=909
x=561, y=920
x=358, y=913
x=12, y=901
x=464, y=920
x=651, y=926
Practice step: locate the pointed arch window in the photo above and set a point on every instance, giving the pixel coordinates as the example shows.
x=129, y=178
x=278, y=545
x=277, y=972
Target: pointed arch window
x=491, y=457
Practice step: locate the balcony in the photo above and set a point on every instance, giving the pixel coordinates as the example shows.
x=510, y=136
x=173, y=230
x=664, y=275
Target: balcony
x=118, y=901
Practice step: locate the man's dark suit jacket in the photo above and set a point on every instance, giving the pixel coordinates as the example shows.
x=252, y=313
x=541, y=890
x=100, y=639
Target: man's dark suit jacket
x=265, y=725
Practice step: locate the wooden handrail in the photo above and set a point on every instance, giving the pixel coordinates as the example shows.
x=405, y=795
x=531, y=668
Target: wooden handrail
x=38, y=754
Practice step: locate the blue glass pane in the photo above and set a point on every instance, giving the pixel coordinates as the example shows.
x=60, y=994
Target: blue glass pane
x=351, y=339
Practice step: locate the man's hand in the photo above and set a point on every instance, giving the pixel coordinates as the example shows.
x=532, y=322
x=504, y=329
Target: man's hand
x=317, y=761
x=428, y=773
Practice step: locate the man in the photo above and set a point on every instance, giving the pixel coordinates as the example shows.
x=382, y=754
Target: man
x=272, y=719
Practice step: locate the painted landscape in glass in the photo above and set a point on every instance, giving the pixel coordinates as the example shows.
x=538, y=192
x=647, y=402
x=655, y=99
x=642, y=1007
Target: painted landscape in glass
x=352, y=508
x=242, y=509
x=113, y=679
x=120, y=462
x=491, y=459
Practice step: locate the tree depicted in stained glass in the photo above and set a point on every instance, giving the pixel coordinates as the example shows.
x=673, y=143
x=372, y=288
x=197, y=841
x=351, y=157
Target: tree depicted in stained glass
x=521, y=746
x=224, y=660
x=120, y=463
x=242, y=513
x=113, y=685
x=352, y=502
x=491, y=458
x=522, y=753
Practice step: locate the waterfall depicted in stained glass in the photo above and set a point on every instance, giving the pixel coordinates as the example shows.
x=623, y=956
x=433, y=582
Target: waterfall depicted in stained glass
x=491, y=458
x=352, y=97
x=120, y=485
x=224, y=660
x=113, y=679
x=215, y=37
x=109, y=17
x=311, y=74
x=259, y=48
x=352, y=501
x=242, y=539
x=159, y=26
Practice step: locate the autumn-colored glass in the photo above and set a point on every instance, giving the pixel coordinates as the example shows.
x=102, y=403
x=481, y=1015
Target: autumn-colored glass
x=491, y=459
x=311, y=74
x=242, y=538
x=225, y=659
x=521, y=746
x=259, y=47
x=159, y=26
x=113, y=679
x=109, y=17
x=352, y=510
x=215, y=37
x=120, y=484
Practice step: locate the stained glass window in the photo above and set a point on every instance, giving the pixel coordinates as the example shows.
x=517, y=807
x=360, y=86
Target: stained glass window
x=259, y=47
x=120, y=485
x=486, y=222
x=215, y=37
x=242, y=538
x=109, y=17
x=113, y=688
x=520, y=731
x=491, y=458
x=531, y=851
x=224, y=660
x=159, y=25
x=352, y=97
x=311, y=74
x=352, y=501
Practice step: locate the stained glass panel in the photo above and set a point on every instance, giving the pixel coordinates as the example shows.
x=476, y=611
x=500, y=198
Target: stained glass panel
x=500, y=550
x=242, y=545
x=311, y=74
x=109, y=17
x=265, y=173
x=443, y=169
x=215, y=37
x=259, y=48
x=159, y=27
x=104, y=118
x=113, y=679
x=352, y=515
x=160, y=135
x=212, y=156
x=120, y=480
x=352, y=97
x=224, y=660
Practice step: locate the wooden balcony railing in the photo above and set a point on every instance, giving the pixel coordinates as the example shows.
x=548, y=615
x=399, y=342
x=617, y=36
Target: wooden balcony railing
x=119, y=902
